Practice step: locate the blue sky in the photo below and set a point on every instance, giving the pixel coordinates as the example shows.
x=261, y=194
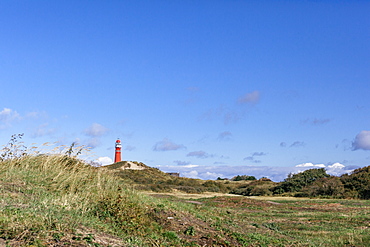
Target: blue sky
x=206, y=88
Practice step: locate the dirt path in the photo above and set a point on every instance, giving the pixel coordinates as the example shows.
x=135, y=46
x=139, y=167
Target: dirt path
x=187, y=195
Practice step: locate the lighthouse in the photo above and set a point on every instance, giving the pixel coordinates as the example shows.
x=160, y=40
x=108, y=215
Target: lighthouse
x=117, y=156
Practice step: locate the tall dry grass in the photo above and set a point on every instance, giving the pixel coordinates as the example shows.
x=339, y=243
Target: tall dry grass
x=43, y=195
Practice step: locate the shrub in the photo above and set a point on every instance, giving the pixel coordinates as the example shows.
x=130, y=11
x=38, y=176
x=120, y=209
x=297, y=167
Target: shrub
x=243, y=177
x=255, y=188
x=358, y=183
x=260, y=191
x=331, y=186
x=295, y=182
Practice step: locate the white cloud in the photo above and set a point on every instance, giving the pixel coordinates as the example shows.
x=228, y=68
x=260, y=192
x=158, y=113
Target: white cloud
x=130, y=148
x=36, y=115
x=43, y=130
x=336, y=166
x=274, y=173
x=283, y=144
x=228, y=115
x=93, y=142
x=338, y=169
x=190, y=166
x=345, y=145
x=199, y=154
x=181, y=163
x=211, y=175
x=33, y=114
x=190, y=174
x=310, y=165
x=211, y=114
x=96, y=130
x=224, y=136
x=362, y=141
x=7, y=116
x=317, y=121
x=250, y=98
x=258, y=154
x=297, y=144
x=232, y=117
x=252, y=157
x=104, y=161
x=167, y=145
x=293, y=145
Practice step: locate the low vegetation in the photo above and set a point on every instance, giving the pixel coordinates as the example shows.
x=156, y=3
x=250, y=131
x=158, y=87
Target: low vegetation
x=313, y=183
x=261, y=187
x=310, y=183
x=152, y=179
x=56, y=199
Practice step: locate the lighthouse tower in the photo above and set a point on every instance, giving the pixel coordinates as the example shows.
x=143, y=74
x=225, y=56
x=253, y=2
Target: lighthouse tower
x=117, y=156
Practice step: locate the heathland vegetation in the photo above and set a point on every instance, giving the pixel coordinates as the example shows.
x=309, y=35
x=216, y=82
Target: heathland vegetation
x=57, y=199
x=310, y=183
x=313, y=183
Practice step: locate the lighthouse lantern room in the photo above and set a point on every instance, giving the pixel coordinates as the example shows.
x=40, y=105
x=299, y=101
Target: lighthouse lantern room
x=117, y=156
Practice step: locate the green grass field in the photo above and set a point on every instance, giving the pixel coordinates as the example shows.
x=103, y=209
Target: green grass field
x=56, y=200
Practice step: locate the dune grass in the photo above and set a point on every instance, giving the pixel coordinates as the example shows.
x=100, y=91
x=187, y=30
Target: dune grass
x=152, y=179
x=59, y=200
x=46, y=199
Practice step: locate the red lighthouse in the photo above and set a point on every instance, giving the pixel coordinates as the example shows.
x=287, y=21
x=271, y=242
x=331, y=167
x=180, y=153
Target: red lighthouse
x=117, y=156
